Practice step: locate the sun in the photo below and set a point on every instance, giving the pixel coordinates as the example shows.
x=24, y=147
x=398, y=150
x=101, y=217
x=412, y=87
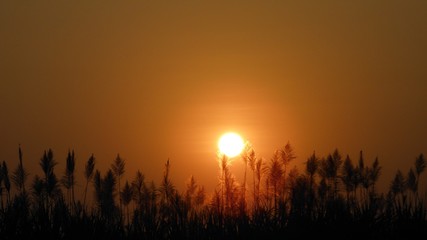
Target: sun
x=231, y=144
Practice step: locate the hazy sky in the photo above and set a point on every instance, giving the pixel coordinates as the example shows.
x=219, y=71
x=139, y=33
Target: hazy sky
x=154, y=80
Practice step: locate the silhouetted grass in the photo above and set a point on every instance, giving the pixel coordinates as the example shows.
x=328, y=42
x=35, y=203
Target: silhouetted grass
x=332, y=198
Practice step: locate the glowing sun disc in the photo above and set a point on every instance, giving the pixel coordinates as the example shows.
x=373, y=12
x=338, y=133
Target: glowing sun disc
x=231, y=144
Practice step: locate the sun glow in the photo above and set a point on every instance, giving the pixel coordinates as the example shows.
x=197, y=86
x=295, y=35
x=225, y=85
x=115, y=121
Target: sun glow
x=231, y=144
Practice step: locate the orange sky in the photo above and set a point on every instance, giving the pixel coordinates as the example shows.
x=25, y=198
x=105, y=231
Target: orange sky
x=154, y=80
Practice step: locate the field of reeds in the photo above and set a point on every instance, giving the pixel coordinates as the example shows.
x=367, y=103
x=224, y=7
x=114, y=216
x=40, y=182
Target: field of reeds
x=332, y=197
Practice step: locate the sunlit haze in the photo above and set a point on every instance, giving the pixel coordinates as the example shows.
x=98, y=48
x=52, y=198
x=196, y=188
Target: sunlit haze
x=156, y=80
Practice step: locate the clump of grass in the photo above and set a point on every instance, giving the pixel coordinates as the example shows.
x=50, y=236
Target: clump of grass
x=331, y=197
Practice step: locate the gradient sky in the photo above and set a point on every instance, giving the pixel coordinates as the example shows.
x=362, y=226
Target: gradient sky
x=154, y=80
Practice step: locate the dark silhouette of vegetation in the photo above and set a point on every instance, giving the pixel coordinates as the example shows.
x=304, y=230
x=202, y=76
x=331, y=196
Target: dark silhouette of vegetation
x=68, y=180
x=20, y=175
x=332, y=197
x=4, y=184
x=88, y=173
x=118, y=168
